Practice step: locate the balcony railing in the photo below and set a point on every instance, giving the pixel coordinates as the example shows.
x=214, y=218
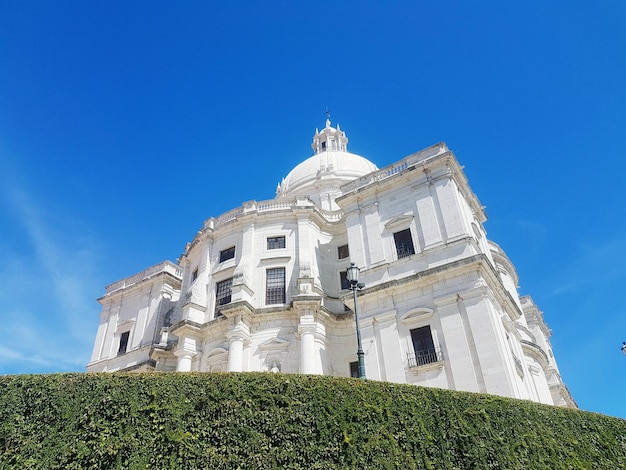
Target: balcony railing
x=405, y=250
x=427, y=356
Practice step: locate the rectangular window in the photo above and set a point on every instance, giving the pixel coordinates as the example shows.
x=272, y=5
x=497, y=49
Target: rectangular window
x=424, y=351
x=343, y=277
x=343, y=252
x=194, y=275
x=223, y=291
x=228, y=253
x=274, y=243
x=123, y=343
x=354, y=369
x=275, y=291
x=404, y=243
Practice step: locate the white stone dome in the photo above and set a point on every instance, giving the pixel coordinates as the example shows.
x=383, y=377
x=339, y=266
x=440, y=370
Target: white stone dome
x=321, y=176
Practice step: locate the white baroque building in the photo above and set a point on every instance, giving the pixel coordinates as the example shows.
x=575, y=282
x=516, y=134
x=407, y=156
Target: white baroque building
x=263, y=287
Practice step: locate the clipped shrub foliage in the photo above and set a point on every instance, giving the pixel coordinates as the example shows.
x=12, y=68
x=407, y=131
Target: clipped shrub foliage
x=263, y=421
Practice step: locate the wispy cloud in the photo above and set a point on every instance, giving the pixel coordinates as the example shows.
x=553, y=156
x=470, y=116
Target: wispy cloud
x=599, y=264
x=47, y=301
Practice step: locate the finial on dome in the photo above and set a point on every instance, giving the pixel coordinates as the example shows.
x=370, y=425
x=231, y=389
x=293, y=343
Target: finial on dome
x=327, y=123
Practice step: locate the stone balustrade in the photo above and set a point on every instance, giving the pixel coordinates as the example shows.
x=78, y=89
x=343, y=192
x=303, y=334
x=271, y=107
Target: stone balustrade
x=270, y=205
x=396, y=168
x=165, y=266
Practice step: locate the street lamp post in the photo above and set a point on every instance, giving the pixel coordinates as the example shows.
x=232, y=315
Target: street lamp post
x=352, y=274
x=624, y=348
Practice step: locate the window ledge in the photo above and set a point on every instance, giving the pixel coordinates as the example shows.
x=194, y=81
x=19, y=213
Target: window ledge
x=426, y=367
x=275, y=259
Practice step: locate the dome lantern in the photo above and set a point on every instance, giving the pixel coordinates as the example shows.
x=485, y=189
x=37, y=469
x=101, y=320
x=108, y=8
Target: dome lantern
x=329, y=139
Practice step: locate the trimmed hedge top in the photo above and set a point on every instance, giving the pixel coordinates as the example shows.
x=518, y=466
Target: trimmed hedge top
x=262, y=421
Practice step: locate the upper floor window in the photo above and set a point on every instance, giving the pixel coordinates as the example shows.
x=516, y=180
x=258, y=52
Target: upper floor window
x=424, y=351
x=223, y=292
x=343, y=252
x=194, y=275
x=228, y=253
x=123, y=342
x=404, y=243
x=343, y=279
x=274, y=243
x=275, y=286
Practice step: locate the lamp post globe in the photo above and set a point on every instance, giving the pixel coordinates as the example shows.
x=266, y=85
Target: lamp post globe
x=352, y=274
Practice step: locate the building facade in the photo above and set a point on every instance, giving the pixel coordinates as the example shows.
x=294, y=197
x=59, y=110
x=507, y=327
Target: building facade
x=264, y=287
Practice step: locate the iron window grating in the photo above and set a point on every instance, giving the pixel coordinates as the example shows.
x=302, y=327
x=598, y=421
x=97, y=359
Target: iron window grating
x=274, y=243
x=223, y=291
x=228, y=253
x=343, y=252
x=404, y=243
x=123, y=342
x=343, y=279
x=275, y=286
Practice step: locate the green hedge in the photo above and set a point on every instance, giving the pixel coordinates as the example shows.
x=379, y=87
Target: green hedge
x=260, y=421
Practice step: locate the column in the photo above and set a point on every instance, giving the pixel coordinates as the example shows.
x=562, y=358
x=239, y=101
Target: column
x=184, y=361
x=306, y=329
x=237, y=337
x=185, y=353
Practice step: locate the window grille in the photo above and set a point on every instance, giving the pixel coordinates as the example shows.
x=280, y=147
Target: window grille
x=123, y=342
x=404, y=243
x=274, y=243
x=228, y=253
x=343, y=252
x=343, y=277
x=275, y=287
x=424, y=351
x=223, y=291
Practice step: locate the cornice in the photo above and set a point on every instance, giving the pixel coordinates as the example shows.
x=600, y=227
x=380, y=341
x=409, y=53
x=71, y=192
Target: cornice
x=187, y=327
x=478, y=262
x=150, y=364
x=536, y=352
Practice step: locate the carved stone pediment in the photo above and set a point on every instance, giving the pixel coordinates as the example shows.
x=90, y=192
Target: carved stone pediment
x=417, y=315
x=402, y=221
x=274, y=344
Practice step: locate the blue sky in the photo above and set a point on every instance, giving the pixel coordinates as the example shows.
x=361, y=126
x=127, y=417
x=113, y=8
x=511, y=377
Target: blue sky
x=124, y=125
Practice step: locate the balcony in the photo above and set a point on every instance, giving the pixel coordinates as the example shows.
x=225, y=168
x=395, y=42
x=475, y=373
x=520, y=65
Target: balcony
x=405, y=250
x=425, y=357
